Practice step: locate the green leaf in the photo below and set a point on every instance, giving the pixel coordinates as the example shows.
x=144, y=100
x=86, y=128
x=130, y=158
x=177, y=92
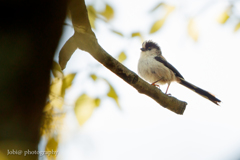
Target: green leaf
x=94, y=77
x=122, y=57
x=84, y=108
x=237, y=27
x=192, y=29
x=157, y=25
x=56, y=70
x=108, y=13
x=119, y=33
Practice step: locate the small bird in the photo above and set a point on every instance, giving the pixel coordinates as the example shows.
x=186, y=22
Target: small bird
x=154, y=68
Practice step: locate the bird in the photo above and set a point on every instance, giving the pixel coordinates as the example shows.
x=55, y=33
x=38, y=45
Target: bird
x=154, y=68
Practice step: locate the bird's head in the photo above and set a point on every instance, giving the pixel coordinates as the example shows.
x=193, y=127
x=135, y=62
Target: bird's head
x=151, y=48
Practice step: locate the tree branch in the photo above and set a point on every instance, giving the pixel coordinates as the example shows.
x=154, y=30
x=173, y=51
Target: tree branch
x=85, y=39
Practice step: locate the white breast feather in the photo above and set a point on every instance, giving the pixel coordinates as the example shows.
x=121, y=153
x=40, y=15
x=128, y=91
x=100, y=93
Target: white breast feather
x=151, y=70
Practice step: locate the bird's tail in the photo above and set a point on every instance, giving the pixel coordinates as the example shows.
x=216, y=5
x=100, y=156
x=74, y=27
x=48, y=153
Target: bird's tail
x=200, y=91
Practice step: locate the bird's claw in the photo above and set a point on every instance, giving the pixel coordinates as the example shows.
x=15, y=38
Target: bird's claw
x=155, y=85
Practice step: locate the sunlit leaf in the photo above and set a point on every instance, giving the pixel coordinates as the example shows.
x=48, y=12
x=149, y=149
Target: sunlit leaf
x=92, y=16
x=108, y=13
x=51, y=146
x=135, y=34
x=94, y=77
x=157, y=6
x=122, y=57
x=67, y=81
x=112, y=93
x=224, y=16
x=97, y=102
x=56, y=70
x=237, y=27
x=84, y=108
x=47, y=107
x=56, y=92
x=57, y=102
x=119, y=33
x=157, y=25
x=192, y=29
x=169, y=9
x=56, y=87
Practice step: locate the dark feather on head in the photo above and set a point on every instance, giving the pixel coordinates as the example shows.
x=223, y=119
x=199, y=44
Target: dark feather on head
x=150, y=44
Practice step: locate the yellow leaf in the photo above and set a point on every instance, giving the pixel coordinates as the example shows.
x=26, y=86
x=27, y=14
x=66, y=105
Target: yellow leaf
x=237, y=27
x=56, y=87
x=138, y=34
x=56, y=70
x=122, y=57
x=67, y=81
x=169, y=9
x=224, y=16
x=157, y=6
x=108, y=13
x=51, y=147
x=57, y=102
x=135, y=34
x=112, y=93
x=55, y=96
x=119, y=33
x=157, y=25
x=192, y=29
x=47, y=107
x=92, y=16
x=97, y=102
x=94, y=77
x=84, y=108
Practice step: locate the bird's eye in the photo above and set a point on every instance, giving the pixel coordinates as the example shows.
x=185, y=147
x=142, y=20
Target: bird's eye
x=149, y=48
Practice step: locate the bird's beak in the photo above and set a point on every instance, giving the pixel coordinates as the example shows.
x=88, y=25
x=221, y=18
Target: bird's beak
x=143, y=49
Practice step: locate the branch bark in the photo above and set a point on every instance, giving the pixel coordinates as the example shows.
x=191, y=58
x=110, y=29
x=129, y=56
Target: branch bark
x=85, y=39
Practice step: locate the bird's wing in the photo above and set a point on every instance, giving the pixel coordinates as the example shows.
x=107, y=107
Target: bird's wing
x=168, y=65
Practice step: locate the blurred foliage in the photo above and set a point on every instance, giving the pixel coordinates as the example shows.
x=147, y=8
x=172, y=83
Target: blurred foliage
x=192, y=29
x=159, y=22
x=51, y=147
x=122, y=57
x=85, y=104
x=84, y=107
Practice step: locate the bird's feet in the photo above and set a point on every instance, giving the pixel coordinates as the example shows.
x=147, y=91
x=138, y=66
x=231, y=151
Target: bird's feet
x=154, y=84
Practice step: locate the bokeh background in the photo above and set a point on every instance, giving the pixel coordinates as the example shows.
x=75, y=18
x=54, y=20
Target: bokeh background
x=200, y=38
